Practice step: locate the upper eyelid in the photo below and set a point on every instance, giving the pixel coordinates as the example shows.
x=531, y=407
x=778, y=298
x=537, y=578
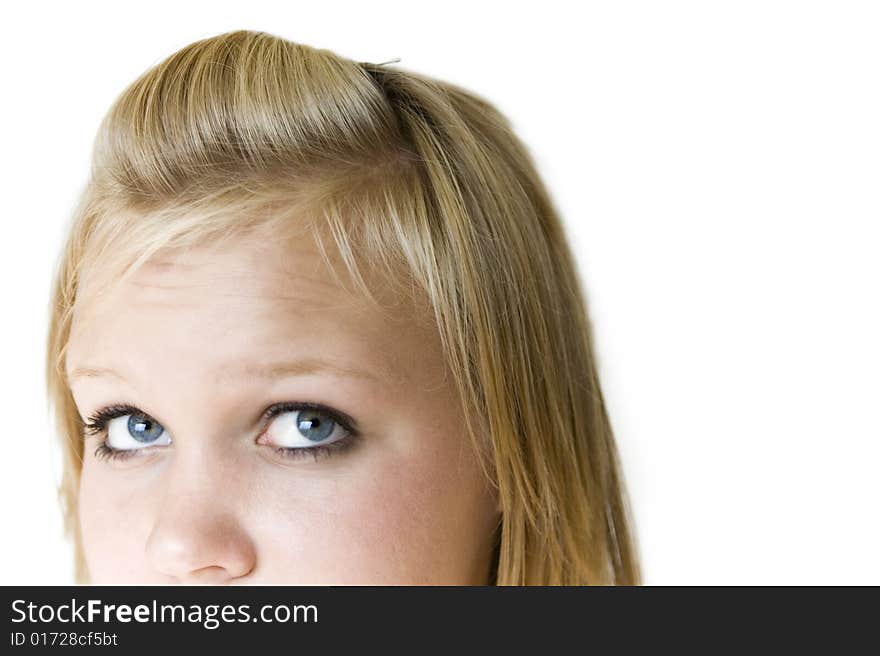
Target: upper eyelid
x=99, y=419
x=340, y=417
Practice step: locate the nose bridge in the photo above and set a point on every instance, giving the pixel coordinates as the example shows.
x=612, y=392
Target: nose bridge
x=199, y=532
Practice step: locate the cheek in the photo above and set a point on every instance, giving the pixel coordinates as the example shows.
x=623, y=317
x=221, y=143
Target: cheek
x=114, y=524
x=417, y=517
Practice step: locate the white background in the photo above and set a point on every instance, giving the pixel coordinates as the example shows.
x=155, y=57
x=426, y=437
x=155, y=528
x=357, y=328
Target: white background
x=718, y=167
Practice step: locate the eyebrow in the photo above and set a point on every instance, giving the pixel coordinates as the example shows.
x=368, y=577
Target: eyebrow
x=269, y=371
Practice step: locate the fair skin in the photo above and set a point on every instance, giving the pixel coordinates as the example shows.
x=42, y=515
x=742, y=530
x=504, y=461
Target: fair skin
x=201, y=344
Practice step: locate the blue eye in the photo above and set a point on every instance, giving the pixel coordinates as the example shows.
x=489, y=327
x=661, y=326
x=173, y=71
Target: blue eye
x=135, y=431
x=314, y=425
x=293, y=430
x=144, y=429
x=304, y=428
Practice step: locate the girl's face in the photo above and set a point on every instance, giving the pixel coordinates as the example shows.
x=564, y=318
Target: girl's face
x=377, y=485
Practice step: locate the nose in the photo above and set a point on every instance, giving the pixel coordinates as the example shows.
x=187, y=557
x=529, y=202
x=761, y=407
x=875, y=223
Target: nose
x=204, y=549
x=197, y=537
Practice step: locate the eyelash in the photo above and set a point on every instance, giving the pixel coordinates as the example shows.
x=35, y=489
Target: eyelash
x=97, y=423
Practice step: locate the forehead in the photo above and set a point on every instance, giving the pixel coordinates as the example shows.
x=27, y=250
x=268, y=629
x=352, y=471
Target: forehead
x=215, y=308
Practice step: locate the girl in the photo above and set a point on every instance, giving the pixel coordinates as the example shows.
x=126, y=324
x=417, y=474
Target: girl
x=316, y=321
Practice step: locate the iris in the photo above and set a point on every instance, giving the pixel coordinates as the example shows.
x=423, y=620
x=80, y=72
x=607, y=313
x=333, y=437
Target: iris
x=143, y=428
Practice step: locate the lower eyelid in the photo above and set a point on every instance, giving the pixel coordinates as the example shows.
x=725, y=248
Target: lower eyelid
x=104, y=452
x=107, y=453
x=316, y=452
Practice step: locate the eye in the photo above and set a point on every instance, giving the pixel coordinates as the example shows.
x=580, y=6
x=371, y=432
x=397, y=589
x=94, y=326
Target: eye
x=293, y=430
x=135, y=431
x=304, y=427
x=130, y=432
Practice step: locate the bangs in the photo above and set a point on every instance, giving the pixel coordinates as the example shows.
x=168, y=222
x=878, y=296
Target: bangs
x=370, y=231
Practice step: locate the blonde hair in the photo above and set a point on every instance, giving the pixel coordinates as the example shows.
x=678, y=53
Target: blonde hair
x=417, y=179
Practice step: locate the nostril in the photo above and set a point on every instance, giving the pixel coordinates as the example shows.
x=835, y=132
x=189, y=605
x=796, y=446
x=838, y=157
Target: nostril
x=209, y=575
